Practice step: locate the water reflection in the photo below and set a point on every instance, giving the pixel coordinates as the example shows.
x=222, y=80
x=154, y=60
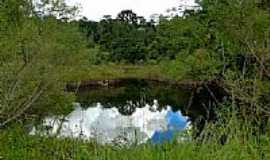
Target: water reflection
x=108, y=125
x=135, y=94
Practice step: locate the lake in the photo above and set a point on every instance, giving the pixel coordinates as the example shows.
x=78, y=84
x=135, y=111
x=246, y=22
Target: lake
x=135, y=112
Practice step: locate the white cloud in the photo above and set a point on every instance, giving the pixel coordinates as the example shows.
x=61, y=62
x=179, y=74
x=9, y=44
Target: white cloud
x=95, y=9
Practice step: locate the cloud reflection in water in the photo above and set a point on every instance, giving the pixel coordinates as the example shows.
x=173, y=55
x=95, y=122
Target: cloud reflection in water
x=108, y=126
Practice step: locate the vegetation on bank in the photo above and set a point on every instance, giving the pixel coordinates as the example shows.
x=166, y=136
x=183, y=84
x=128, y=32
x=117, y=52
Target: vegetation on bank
x=164, y=71
x=42, y=48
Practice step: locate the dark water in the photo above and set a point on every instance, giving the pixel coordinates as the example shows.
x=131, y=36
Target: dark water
x=140, y=93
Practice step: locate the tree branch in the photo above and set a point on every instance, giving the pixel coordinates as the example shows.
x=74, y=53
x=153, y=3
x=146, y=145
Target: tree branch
x=35, y=96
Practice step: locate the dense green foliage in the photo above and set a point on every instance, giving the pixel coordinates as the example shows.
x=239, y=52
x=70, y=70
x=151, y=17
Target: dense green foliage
x=125, y=38
x=219, y=37
x=35, y=58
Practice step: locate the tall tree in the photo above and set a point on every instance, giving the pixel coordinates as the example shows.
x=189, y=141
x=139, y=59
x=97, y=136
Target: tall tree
x=128, y=16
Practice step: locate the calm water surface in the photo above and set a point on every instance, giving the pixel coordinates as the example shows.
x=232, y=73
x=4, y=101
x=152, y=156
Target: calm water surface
x=134, y=113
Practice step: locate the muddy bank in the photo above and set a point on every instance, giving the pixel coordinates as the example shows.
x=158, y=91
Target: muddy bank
x=114, y=83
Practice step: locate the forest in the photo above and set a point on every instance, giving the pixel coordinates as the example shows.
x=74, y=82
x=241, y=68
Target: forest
x=221, y=43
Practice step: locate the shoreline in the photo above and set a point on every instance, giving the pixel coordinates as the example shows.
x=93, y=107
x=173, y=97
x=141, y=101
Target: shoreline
x=118, y=82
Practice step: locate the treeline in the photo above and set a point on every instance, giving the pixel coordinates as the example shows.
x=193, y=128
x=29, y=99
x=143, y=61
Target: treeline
x=202, y=42
x=132, y=39
x=126, y=38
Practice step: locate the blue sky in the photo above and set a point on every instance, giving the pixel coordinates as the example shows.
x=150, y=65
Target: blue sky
x=95, y=9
